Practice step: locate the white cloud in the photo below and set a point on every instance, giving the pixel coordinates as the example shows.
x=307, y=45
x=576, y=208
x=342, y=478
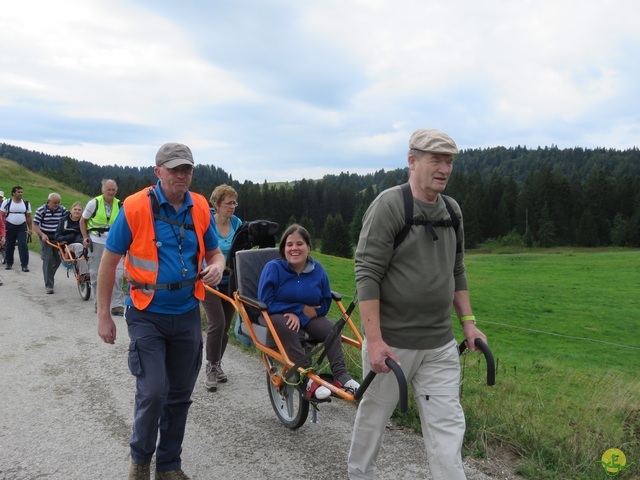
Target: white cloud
x=109, y=60
x=269, y=89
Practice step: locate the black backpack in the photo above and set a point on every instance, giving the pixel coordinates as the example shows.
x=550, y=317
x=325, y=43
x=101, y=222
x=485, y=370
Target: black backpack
x=251, y=234
x=430, y=225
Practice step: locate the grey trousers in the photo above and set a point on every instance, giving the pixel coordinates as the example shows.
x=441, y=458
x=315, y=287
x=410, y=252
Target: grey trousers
x=83, y=264
x=435, y=378
x=117, y=295
x=50, y=262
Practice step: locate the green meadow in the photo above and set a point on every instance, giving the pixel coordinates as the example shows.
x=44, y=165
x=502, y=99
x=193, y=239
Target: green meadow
x=36, y=190
x=36, y=187
x=563, y=329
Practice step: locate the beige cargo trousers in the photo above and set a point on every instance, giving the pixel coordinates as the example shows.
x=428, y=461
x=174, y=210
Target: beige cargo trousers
x=435, y=378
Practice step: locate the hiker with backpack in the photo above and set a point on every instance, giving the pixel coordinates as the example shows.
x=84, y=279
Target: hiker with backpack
x=3, y=233
x=16, y=214
x=45, y=224
x=410, y=274
x=3, y=229
x=165, y=232
x=97, y=218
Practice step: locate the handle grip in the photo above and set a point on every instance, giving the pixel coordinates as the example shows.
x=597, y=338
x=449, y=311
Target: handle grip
x=402, y=384
x=491, y=364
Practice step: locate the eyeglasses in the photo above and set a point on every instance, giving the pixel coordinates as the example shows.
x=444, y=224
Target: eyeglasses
x=182, y=169
x=229, y=204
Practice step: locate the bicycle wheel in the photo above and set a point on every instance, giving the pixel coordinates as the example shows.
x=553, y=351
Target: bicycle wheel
x=289, y=404
x=84, y=288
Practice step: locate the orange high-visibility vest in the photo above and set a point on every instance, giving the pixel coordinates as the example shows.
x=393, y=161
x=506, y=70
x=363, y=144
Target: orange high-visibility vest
x=141, y=262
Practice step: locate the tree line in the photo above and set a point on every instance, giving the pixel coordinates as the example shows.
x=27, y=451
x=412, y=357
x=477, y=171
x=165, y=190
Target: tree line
x=536, y=197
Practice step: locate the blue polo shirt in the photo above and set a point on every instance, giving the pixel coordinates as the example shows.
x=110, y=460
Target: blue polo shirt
x=169, y=242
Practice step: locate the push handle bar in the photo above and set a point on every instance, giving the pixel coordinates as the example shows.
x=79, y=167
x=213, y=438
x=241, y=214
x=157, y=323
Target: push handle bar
x=491, y=364
x=402, y=384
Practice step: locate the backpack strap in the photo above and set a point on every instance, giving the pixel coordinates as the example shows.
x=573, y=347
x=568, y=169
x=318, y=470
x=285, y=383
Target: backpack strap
x=155, y=208
x=430, y=225
x=408, y=215
x=120, y=203
x=26, y=208
x=96, y=209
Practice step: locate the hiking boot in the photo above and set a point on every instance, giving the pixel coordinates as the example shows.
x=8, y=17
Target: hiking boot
x=172, y=475
x=49, y=290
x=139, y=472
x=211, y=383
x=222, y=377
x=317, y=391
x=117, y=311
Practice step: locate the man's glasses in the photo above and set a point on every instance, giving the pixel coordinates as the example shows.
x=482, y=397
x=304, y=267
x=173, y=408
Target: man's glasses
x=182, y=169
x=229, y=204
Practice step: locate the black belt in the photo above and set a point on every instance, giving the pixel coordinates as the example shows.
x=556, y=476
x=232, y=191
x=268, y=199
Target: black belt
x=162, y=286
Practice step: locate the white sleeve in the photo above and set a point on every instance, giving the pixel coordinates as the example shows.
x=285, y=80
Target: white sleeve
x=89, y=209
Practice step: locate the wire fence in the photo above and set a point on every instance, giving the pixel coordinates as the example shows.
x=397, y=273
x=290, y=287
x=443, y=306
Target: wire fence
x=532, y=330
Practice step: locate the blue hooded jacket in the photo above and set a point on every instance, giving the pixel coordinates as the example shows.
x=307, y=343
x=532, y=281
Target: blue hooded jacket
x=285, y=291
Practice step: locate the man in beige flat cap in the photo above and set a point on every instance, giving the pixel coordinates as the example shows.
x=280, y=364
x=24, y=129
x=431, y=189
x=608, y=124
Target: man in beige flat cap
x=410, y=274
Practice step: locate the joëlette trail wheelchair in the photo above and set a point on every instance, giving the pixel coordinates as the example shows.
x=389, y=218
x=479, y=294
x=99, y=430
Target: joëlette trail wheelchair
x=252, y=248
x=71, y=263
x=246, y=259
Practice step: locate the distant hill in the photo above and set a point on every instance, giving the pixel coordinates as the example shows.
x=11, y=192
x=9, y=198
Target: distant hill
x=86, y=176
x=574, y=163
x=36, y=186
x=544, y=197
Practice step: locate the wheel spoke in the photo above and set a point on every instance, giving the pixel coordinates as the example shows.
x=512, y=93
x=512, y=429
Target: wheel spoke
x=287, y=401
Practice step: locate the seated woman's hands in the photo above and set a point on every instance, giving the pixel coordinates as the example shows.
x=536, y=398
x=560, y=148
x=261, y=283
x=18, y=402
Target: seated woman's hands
x=293, y=322
x=310, y=311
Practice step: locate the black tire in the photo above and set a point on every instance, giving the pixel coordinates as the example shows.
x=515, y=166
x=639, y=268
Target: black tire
x=85, y=290
x=289, y=404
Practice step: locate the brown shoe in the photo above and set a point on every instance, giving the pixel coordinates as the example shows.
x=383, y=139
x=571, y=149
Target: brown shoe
x=172, y=475
x=139, y=472
x=211, y=382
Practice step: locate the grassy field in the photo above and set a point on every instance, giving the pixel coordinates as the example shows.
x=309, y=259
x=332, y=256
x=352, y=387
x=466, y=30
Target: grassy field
x=562, y=328
x=36, y=190
x=36, y=187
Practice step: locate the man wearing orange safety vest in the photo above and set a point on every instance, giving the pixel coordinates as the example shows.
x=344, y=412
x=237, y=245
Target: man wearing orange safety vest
x=165, y=232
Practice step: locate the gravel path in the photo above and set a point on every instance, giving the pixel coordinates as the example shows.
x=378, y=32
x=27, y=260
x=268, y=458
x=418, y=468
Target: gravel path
x=67, y=405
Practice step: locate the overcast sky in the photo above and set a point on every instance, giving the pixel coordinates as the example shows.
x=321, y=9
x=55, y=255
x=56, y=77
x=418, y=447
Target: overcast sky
x=289, y=89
